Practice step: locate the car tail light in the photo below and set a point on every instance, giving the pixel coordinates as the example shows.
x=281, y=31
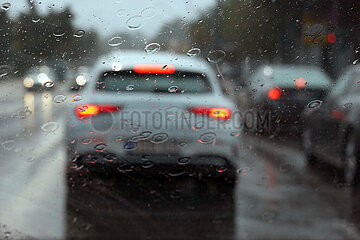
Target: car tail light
x=89, y=110
x=154, y=68
x=274, y=93
x=218, y=113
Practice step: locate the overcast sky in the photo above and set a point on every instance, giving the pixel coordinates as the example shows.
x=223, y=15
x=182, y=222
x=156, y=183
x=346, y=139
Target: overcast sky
x=113, y=16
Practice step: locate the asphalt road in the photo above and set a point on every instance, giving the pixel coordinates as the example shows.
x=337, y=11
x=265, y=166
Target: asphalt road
x=277, y=196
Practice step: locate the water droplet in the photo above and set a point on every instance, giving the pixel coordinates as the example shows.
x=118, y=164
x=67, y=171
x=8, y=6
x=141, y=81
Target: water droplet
x=183, y=160
x=134, y=22
x=221, y=169
x=121, y=13
x=59, y=32
x=79, y=33
x=119, y=138
x=176, y=171
x=141, y=137
x=152, y=48
x=173, y=89
x=159, y=138
x=130, y=146
x=145, y=157
x=356, y=61
x=216, y=56
x=115, y=41
x=129, y=88
x=207, y=138
x=86, y=141
x=147, y=164
x=35, y=19
x=49, y=84
x=110, y=157
x=347, y=105
x=357, y=50
x=235, y=134
x=23, y=113
x=193, y=52
x=182, y=144
x=59, y=98
x=49, y=127
x=4, y=70
x=8, y=145
x=100, y=147
x=148, y=12
x=244, y=170
x=314, y=104
x=76, y=97
x=5, y=6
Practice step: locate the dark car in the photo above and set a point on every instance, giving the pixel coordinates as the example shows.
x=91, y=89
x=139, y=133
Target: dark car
x=283, y=91
x=332, y=130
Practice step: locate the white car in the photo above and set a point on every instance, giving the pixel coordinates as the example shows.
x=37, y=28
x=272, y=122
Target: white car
x=161, y=113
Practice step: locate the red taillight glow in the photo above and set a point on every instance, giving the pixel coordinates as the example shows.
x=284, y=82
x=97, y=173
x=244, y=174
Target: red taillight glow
x=274, y=93
x=89, y=110
x=218, y=113
x=154, y=68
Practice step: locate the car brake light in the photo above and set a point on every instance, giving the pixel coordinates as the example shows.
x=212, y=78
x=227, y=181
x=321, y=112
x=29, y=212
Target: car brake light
x=154, y=68
x=218, y=113
x=89, y=110
x=274, y=93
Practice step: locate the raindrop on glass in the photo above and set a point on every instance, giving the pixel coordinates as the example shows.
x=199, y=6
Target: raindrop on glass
x=159, y=138
x=147, y=164
x=193, y=52
x=183, y=160
x=35, y=19
x=8, y=144
x=121, y=13
x=100, y=146
x=216, y=56
x=356, y=61
x=59, y=32
x=173, y=89
x=49, y=127
x=357, y=50
x=79, y=33
x=115, y=41
x=207, y=138
x=23, y=113
x=49, y=84
x=130, y=146
x=235, y=134
x=76, y=97
x=148, y=12
x=134, y=22
x=152, y=48
x=5, y=6
x=129, y=88
x=314, y=104
x=347, y=105
x=59, y=98
x=244, y=170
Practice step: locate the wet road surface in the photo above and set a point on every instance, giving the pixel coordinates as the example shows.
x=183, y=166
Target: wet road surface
x=277, y=195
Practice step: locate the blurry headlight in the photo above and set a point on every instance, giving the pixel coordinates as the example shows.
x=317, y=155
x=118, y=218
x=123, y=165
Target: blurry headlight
x=80, y=80
x=43, y=78
x=28, y=82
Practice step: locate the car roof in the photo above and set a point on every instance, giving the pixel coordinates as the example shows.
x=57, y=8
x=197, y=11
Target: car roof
x=128, y=58
x=284, y=75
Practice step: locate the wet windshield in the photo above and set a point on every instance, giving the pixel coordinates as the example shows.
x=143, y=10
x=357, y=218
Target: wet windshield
x=181, y=119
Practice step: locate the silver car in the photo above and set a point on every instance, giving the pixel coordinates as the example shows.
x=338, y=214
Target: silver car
x=161, y=113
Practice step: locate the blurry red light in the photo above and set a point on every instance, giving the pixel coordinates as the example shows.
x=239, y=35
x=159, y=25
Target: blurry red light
x=300, y=82
x=274, y=93
x=89, y=110
x=154, y=68
x=331, y=38
x=217, y=113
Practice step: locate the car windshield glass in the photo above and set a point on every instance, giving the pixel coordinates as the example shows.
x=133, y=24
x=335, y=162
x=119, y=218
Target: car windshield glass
x=178, y=82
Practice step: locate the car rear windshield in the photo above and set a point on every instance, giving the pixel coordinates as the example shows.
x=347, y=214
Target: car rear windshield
x=178, y=82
